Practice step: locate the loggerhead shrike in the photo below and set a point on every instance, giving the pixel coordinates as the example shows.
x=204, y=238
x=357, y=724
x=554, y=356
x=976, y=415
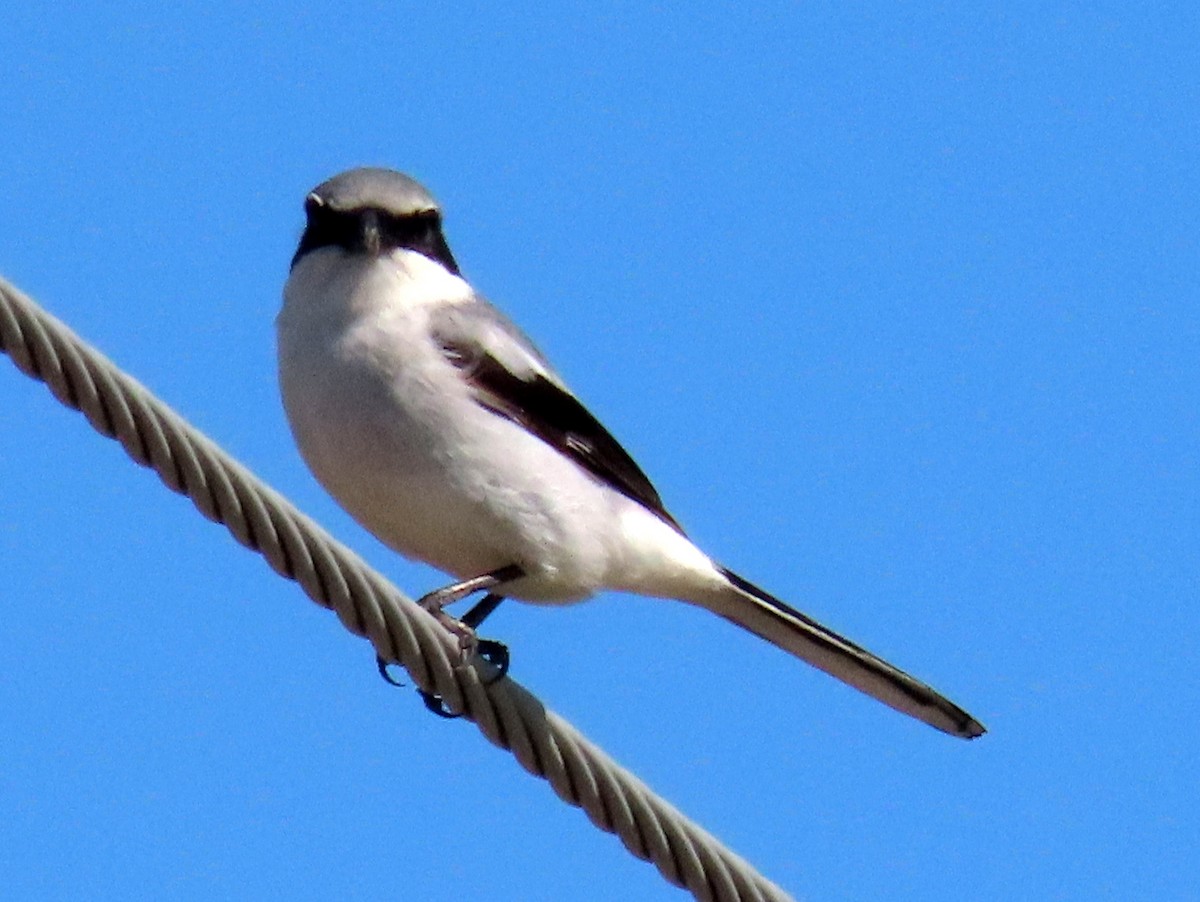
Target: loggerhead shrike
x=440, y=428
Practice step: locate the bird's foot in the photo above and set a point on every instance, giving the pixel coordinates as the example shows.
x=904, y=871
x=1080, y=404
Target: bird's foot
x=471, y=647
x=495, y=654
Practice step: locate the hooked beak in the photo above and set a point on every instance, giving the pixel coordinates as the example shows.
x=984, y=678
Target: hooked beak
x=372, y=234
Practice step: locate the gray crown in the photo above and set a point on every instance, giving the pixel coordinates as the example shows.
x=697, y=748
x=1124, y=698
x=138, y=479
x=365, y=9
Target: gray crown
x=369, y=186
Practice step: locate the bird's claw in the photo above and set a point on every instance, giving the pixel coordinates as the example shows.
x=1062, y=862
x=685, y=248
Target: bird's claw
x=385, y=673
x=470, y=646
x=435, y=704
x=494, y=653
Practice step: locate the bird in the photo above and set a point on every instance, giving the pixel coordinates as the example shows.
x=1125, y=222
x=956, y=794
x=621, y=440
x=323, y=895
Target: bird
x=431, y=418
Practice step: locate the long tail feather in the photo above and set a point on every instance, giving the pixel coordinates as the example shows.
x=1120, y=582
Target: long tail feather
x=753, y=609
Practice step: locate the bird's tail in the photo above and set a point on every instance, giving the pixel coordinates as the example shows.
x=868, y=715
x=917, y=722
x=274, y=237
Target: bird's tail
x=753, y=609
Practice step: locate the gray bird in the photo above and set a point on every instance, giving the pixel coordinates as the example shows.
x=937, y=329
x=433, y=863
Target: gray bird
x=440, y=428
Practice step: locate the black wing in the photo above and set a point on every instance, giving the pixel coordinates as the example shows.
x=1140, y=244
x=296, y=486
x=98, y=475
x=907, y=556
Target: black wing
x=514, y=381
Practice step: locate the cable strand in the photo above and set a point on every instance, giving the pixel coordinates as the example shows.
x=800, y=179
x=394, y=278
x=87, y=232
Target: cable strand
x=295, y=547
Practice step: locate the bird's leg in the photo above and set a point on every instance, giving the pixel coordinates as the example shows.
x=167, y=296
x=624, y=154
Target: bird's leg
x=495, y=653
x=435, y=601
x=482, y=610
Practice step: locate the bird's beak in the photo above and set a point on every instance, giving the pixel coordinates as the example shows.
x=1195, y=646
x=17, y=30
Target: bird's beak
x=372, y=234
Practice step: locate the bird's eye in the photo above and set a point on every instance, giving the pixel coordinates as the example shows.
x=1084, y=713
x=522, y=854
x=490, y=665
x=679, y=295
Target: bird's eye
x=413, y=230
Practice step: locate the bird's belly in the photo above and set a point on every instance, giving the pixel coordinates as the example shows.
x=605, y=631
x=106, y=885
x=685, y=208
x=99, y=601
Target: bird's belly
x=445, y=481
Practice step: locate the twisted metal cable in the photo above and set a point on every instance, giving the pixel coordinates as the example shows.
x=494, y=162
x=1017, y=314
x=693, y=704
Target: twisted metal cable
x=368, y=605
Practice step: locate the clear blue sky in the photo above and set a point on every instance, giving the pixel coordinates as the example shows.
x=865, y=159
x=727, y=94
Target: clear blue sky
x=896, y=307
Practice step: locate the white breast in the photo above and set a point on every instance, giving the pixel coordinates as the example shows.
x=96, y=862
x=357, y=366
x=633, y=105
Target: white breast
x=390, y=428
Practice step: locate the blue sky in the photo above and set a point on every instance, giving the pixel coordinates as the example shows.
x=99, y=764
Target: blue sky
x=895, y=306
